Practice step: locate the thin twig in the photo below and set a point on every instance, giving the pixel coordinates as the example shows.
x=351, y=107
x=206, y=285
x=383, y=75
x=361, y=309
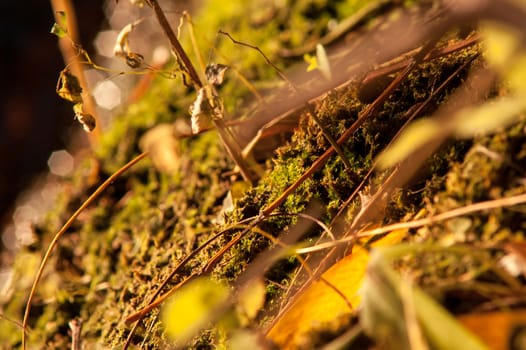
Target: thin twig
x=269, y=62
x=468, y=209
x=175, y=44
x=63, y=230
x=68, y=46
x=76, y=327
x=229, y=140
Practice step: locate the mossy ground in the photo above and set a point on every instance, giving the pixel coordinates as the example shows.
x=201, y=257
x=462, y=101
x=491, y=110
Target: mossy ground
x=124, y=245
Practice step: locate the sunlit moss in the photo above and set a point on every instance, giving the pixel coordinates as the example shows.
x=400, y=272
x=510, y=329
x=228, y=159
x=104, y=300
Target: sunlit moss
x=131, y=239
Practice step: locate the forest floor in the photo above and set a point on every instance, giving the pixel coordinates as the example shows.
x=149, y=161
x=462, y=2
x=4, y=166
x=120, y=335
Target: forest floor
x=292, y=224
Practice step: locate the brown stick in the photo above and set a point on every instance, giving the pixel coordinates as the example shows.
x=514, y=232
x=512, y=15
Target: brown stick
x=72, y=60
x=175, y=44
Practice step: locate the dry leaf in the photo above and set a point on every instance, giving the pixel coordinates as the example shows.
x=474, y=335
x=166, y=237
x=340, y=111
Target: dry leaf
x=320, y=303
x=499, y=330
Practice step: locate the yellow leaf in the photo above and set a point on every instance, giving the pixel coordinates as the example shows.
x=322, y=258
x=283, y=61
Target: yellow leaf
x=192, y=307
x=500, y=44
x=250, y=300
x=489, y=116
x=416, y=135
x=320, y=303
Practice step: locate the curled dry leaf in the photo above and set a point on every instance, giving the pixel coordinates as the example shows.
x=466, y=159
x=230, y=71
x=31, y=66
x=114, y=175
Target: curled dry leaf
x=68, y=87
x=215, y=73
x=85, y=119
x=122, y=47
x=200, y=112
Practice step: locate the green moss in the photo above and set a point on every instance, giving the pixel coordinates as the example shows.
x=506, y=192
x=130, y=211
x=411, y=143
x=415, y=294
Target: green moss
x=127, y=242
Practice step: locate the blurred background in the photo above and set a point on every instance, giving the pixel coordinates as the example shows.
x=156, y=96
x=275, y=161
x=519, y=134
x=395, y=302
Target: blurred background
x=39, y=136
x=34, y=121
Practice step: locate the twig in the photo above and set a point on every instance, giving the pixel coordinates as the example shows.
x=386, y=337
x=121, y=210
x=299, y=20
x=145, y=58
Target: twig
x=468, y=209
x=269, y=62
x=71, y=58
x=175, y=44
x=63, y=230
x=76, y=328
x=229, y=140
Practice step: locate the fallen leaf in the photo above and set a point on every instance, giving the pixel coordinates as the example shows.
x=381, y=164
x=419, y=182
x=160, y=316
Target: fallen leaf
x=320, y=303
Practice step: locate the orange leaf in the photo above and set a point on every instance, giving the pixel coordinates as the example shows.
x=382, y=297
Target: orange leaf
x=499, y=330
x=320, y=303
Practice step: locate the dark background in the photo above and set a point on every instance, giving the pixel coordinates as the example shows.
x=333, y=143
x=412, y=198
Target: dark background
x=34, y=121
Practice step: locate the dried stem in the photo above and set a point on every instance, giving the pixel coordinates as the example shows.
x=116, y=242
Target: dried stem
x=448, y=215
x=63, y=230
x=69, y=49
x=175, y=44
x=229, y=140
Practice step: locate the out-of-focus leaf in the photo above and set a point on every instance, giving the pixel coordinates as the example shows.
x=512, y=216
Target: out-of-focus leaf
x=485, y=118
x=323, y=62
x=516, y=74
x=500, y=43
x=416, y=135
x=383, y=317
x=250, y=300
x=489, y=116
x=192, y=307
x=244, y=339
x=503, y=50
x=320, y=303
x=162, y=146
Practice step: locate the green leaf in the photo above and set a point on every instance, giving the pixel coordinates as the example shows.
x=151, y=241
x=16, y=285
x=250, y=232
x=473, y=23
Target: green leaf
x=387, y=299
x=60, y=28
x=192, y=307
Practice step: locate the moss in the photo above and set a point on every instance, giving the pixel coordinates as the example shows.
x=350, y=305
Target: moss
x=128, y=242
